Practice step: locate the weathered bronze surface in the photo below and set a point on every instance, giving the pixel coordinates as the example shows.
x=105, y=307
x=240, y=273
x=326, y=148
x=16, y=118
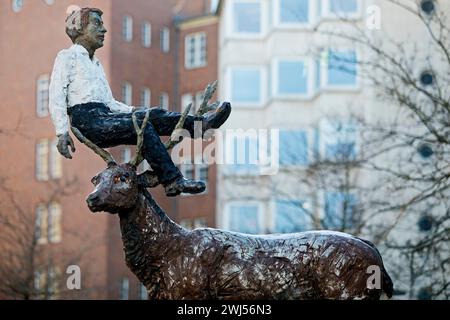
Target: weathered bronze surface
x=175, y=263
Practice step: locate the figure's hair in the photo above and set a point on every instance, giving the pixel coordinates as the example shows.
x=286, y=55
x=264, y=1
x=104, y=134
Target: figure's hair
x=78, y=20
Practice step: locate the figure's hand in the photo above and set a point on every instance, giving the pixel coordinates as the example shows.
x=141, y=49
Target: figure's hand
x=64, y=141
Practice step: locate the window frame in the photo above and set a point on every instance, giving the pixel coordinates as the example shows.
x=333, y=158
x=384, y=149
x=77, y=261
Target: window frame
x=17, y=5
x=146, y=96
x=313, y=9
x=274, y=211
x=164, y=41
x=231, y=33
x=164, y=101
x=199, y=165
x=42, y=160
x=41, y=223
x=230, y=169
x=324, y=124
x=340, y=88
x=309, y=64
x=186, y=99
x=124, y=282
x=327, y=14
x=146, y=34
x=198, y=53
x=309, y=148
x=42, y=90
x=54, y=222
x=263, y=81
x=127, y=89
x=55, y=161
x=127, y=28
x=260, y=214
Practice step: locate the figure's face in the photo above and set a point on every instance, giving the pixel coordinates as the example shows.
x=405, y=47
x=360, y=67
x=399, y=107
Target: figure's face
x=94, y=33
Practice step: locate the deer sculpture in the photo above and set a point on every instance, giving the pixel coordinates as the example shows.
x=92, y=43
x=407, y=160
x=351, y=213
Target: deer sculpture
x=176, y=263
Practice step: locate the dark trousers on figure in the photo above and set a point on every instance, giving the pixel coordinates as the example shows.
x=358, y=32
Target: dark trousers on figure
x=107, y=129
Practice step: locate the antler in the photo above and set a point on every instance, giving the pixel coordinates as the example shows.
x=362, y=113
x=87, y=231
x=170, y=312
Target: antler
x=149, y=178
x=105, y=155
x=140, y=138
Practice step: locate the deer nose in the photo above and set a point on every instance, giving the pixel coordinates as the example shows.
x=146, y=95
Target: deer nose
x=92, y=199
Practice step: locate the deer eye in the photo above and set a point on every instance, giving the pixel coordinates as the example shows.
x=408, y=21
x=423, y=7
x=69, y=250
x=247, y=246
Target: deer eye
x=120, y=179
x=94, y=181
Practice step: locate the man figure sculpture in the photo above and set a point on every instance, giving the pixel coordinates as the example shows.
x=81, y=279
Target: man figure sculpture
x=80, y=96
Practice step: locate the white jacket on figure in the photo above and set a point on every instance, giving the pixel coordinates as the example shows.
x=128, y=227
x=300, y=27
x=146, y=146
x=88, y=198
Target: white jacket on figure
x=76, y=79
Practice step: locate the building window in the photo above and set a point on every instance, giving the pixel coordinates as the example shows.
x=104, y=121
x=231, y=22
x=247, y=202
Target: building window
x=247, y=17
x=55, y=161
x=42, y=86
x=195, y=223
x=124, y=289
x=187, y=99
x=246, y=86
x=17, y=5
x=242, y=155
x=202, y=172
x=292, y=78
x=127, y=93
x=146, y=35
x=213, y=5
x=427, y=6
x=293, y=12
x=52, y=285
x=342, y=69
x=48, y=223
x=126, y=155
x=245, y=218
x=146, y=96
x=127, y=28
x=188, y=171
x=198, y=100
x=46, y=282
x=165, y=40
x=142, y=294
x=291, y=216
x=340, y=210
x=342, y=8
x=41, y=227
x=293, y=148
x=42, y=157
x=48, y=160
x=339, y=140
x=54, y=222
x=164, y=100
x=195, y=50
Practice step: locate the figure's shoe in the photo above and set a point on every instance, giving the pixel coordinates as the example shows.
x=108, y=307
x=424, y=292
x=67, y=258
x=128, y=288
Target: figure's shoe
x=213, y=120
x=182, y=185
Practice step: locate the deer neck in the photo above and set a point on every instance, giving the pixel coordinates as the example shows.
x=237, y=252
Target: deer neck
x=146, y=234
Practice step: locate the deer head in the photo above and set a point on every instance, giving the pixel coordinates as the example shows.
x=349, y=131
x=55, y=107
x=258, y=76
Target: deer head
x=117, y=187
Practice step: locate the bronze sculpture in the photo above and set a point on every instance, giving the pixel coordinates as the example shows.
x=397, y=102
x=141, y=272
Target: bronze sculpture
x=79, y=93
x=175, y=263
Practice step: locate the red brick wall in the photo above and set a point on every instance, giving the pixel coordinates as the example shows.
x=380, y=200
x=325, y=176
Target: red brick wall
x=30, y=42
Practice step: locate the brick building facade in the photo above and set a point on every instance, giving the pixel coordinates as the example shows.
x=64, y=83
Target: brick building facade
x=144, y=59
